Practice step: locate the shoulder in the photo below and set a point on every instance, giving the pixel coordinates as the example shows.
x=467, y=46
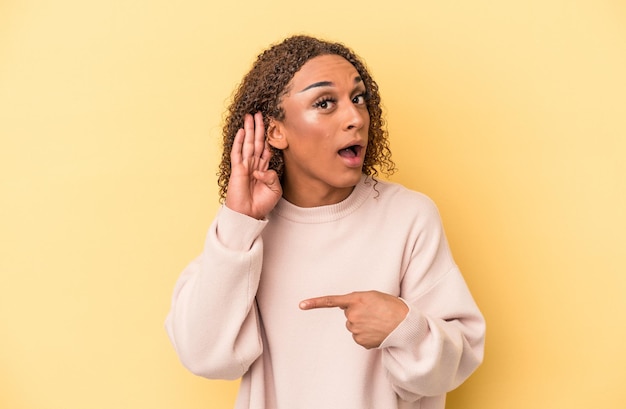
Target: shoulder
x=401, y=209
x=395, y=195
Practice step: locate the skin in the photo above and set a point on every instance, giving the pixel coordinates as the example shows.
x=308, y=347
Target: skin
x=325, y=112
x=253, y=190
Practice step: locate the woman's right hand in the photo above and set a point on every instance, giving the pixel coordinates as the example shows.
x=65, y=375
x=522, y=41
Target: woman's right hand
x=253, y=190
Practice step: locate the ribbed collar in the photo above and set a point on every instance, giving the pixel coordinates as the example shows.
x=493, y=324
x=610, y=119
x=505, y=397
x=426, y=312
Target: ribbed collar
x=328, y=213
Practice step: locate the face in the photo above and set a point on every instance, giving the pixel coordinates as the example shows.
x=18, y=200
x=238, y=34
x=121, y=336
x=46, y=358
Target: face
x=324, y=132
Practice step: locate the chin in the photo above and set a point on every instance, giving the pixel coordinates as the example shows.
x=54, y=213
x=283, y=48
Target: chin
x=350, y=179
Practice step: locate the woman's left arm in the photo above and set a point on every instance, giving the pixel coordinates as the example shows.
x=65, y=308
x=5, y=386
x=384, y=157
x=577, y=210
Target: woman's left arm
x=429, y=346
x=439, y=343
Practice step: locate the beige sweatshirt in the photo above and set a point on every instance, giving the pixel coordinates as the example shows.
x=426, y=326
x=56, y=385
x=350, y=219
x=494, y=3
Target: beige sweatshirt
x=235, y=308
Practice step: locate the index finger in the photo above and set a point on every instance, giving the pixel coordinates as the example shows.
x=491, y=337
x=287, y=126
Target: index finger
x=327, y=301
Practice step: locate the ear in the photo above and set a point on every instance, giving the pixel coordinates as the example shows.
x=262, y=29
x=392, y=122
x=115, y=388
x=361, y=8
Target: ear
x=275, y=135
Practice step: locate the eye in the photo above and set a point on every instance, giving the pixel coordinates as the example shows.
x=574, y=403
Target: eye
x=360, y=99
x=324, y=103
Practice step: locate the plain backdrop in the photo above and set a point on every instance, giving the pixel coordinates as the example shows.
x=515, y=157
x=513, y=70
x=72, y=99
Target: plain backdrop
x=511, y=115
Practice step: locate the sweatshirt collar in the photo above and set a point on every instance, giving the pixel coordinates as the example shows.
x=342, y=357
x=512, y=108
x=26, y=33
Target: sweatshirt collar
x=328, y=213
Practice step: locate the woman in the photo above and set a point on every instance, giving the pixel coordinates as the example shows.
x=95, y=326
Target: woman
x=305, y=232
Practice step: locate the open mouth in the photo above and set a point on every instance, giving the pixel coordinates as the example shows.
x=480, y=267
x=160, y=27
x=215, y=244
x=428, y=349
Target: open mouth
x=350, y=152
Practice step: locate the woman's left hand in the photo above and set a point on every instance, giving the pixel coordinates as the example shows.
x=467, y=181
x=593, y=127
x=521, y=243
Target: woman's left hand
x=370, y=315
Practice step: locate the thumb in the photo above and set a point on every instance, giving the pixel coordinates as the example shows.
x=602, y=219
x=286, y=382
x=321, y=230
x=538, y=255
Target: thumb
x=268, y=177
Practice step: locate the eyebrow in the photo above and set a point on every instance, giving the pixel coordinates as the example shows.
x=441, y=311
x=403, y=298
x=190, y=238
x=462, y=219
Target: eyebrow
x=327, y=84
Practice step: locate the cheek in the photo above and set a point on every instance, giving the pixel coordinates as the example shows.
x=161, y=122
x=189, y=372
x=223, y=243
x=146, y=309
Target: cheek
x=298, y=117
x=311, y=120
x=311, y=125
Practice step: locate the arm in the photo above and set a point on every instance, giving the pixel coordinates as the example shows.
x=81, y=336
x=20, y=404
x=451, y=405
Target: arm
x=429, y=346
x=440, y=342
x=213, y=322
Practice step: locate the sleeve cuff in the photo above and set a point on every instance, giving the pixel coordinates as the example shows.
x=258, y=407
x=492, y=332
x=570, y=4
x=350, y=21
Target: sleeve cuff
x=237, y=231
x=409, y=332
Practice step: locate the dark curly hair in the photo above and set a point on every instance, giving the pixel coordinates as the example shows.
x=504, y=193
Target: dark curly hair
x=267, y=82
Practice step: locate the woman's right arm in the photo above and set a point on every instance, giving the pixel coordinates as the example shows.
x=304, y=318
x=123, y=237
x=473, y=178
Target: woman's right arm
x=213, y=322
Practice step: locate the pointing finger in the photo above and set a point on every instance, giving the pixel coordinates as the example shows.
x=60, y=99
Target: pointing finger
x=328, y=301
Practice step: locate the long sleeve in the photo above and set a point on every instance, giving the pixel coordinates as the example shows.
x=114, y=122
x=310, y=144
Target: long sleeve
x=441, y=340
x=213, y=321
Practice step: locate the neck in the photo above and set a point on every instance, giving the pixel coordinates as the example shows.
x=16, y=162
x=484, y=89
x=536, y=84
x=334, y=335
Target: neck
x=309, y=195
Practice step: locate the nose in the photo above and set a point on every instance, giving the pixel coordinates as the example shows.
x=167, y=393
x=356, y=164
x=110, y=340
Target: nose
x=355, y=116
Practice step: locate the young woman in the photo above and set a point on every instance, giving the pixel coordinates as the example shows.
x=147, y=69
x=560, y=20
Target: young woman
x=319, y=285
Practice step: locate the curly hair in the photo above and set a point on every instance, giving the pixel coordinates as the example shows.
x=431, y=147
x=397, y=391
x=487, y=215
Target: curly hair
x=263, y=87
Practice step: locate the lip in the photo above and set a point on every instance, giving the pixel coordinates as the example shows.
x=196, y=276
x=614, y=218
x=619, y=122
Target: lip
x=358, y=149
x=354, y=142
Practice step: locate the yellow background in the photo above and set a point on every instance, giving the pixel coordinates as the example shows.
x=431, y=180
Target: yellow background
x=509, y=114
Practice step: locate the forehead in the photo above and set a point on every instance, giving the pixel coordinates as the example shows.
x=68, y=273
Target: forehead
x=333, y=68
